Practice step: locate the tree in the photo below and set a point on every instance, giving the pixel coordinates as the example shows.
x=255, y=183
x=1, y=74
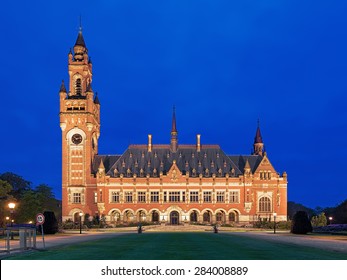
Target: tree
x=5, y=198
x=28, y=207
x=319, y=221
x=293, y=207
x=301, y=224
x=19, y=185
x=339, y=214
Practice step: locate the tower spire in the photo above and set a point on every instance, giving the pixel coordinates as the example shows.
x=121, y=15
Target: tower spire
x=258, y=142
x=174, y=139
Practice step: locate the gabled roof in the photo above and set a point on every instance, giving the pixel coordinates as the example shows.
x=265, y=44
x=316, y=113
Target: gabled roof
x=241, y=160
x=138, y=160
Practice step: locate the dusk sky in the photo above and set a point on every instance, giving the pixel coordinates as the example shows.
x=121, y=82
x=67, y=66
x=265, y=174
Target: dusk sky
x=223, y=64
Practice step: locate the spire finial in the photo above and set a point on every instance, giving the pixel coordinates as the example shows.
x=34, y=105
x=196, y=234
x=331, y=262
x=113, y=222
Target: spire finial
x=174, y=129
x=174, y=140
x=80, y=29
x=258, y=122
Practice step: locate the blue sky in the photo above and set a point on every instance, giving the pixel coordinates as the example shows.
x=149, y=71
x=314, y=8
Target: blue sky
x=223, y=64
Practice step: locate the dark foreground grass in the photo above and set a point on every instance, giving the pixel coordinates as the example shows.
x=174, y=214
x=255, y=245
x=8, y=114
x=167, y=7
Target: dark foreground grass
x=181, y=246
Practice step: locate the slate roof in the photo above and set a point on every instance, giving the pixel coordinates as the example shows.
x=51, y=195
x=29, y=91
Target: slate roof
x=240, y=161
x=80, y=40
x=210, y=160
x=108, y=161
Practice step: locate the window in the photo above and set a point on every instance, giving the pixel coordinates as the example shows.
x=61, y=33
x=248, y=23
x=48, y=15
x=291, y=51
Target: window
x=95, y=197
x=115, y=197
x=183, y=196
x=165, y=197
x=78, y=87
x=234, y=197
x=128, y=197
x=141, y=197
x=76, y=198
x=194, y=196
x=174, y=196
x=220, y=196
x=264, y=204
x=207, y=197
x=154, y=196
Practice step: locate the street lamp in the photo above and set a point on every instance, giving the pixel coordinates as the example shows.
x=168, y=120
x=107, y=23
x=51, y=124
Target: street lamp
x=11, y=205
x=330, y=220
x=81, y=214
x=275, y=214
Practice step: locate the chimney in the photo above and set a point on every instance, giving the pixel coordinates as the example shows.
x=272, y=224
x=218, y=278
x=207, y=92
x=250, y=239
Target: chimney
x=198, y=146
x=149, y=142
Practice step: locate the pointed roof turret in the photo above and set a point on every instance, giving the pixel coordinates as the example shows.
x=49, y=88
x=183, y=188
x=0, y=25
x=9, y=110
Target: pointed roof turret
x=247, y=166
x=258, y=138
x=89, y=88
x=174, y=140
x=80, y=47
x=96, y=99
x=62, y=87
x=258, y=145
x=80, y=39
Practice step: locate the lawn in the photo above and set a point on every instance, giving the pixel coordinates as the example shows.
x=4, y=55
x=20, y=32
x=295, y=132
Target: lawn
x=181, y=246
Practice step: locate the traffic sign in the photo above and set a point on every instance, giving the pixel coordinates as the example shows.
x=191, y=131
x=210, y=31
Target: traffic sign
x=40, y=219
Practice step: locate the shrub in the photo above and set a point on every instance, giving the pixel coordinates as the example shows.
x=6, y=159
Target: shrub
x=50, y=225
x=319, y=221
x=301, y=224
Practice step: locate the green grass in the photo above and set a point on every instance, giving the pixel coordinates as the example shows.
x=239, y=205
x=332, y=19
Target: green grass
x=181, y=246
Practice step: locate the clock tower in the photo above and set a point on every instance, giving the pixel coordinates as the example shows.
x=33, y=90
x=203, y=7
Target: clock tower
x=80, y=125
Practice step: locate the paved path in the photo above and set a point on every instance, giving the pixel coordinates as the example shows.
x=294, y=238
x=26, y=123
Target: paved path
x=334, y=242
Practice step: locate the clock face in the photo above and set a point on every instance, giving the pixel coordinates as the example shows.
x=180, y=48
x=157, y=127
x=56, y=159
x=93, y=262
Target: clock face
x=76, y=139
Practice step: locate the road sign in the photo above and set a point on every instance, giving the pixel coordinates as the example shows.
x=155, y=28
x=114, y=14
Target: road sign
x=40, y=219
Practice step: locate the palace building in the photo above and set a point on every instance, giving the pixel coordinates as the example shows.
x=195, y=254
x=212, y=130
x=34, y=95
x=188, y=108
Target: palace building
x=171, y=184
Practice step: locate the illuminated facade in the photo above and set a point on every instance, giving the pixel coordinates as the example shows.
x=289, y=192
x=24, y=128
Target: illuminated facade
x=171, y=184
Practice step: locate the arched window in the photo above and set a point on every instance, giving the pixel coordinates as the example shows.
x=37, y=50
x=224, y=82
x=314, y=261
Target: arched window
x=78, y=87
x=264, y=204
x=220, y=217
x=155, y=216
x=194, y=216
x=207, y=217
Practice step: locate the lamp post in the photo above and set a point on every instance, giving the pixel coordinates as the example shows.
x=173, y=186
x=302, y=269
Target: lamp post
x=330, y=220
x=11, y=205
x=81, y=214
x=275, y=214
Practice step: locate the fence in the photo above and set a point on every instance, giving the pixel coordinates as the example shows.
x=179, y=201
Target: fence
x=19, y=237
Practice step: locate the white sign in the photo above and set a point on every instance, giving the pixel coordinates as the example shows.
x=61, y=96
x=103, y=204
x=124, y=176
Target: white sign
x=40, y=219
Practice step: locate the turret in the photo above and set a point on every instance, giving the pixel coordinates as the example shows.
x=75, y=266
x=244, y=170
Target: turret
x=174, y=139
x=258, y=143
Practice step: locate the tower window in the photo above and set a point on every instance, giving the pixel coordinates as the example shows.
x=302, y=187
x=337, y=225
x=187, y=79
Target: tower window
x=76, y=198
x=78, y=88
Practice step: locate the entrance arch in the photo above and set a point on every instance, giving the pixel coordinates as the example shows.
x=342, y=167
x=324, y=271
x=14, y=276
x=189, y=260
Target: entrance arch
x=174, y=218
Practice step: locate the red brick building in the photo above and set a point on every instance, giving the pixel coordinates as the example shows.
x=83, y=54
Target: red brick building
x=171, y=183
